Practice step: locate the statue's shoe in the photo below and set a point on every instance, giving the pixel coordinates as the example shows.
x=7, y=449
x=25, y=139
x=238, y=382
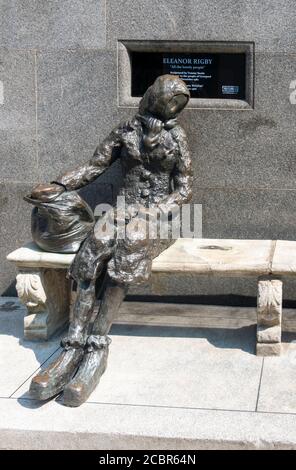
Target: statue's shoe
x=91, y=369
x=53, y=379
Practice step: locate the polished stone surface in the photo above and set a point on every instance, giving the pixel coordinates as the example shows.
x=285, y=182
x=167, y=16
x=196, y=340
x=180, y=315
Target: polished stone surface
x=243, y=160
x=53, y=24
x=15, y=229
x=18, y=147
x=247, y=213
x=76, y=107
x=269, y=24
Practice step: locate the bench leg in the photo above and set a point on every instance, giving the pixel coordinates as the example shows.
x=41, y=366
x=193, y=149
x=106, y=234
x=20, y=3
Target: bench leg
x=269, y=317
x=46, y=294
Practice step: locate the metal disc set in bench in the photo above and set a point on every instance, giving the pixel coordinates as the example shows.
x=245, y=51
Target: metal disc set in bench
x=43, y=287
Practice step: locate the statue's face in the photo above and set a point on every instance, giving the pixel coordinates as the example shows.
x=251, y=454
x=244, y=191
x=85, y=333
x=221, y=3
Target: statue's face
x=175, y=106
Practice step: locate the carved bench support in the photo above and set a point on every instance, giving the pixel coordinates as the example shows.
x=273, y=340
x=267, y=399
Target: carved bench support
x=269, y=317
x=46, y=294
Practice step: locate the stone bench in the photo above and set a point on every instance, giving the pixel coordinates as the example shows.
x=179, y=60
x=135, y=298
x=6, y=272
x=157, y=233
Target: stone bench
x=43, y=287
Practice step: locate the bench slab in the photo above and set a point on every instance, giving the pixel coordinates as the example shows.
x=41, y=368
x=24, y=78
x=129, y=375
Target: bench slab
x=217, y=257
x=284, y=258
x=200, y=256
x=30, y=256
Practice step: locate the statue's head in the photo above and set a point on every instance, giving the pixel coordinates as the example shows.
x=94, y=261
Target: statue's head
x=166, y=98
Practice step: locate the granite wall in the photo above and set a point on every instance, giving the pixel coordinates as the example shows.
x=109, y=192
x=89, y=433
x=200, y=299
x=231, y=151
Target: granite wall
x=59, y=97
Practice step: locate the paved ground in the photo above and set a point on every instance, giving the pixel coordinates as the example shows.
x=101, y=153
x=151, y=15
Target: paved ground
x=165, y=387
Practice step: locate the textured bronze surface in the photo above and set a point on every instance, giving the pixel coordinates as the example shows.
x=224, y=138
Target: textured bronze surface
x=152, y=150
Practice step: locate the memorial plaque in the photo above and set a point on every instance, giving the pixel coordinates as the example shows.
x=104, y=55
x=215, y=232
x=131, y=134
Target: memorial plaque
x=207, y=75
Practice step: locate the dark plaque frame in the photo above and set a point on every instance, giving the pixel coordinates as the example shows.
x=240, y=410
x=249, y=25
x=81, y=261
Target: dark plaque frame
x=210, y=95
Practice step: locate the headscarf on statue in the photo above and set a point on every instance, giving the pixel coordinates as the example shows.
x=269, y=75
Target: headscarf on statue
x=153, y=106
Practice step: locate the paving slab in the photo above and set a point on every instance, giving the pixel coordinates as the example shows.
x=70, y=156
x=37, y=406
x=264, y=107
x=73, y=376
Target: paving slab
x=278, y=384
x=19, y=359
x=163, y=366
x=167, y=366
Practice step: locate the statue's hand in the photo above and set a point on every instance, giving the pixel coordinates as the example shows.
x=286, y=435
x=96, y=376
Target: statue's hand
x=152, y=139
x=155, y=125
x=47, y=192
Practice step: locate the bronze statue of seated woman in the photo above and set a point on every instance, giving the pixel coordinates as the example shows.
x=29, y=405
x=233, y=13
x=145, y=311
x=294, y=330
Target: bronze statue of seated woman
x=152, y=150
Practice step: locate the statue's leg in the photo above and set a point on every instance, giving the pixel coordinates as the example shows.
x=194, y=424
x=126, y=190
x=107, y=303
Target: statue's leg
x=129, y=264
x=53, y=379
x=94, y=361
x=88, y=264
